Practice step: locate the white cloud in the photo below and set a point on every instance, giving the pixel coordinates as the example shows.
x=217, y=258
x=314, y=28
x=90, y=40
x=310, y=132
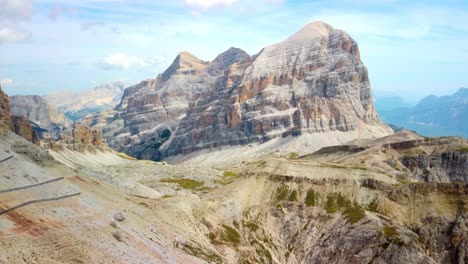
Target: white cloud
x=6, y=81
x=119, y=61
x=205, y=4
x=16, y=9
x=11, y=13
x=11, y=33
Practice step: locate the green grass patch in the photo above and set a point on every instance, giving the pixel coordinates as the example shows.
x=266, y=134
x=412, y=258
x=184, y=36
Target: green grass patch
x=354, y=213
x=293, y=155
x=188, y=184
x=227, y=178
x=125, y=156
x=373, y=206
x=311, y=198
x=390, y=232
x=252, y=226
x=293, y=196
x=282, y=193
x=199, y=252
x=463, y=149
x=336, y=202
x=230, y=235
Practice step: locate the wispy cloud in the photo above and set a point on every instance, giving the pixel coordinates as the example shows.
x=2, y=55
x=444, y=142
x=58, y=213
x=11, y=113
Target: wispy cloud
x=119, y=61
x=12, y=12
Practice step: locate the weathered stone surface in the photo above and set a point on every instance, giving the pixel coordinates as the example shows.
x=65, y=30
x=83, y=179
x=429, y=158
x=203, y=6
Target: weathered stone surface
x=150, y=112
x=313, y=82
x=37, y=110
x=22, y=127
x=5, y=116
x=80, y=139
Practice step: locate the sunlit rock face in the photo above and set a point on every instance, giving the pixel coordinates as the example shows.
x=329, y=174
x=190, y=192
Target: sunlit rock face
x=313, y=82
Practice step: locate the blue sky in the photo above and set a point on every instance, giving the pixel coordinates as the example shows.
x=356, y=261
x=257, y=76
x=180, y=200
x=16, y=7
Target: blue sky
x=411, y=48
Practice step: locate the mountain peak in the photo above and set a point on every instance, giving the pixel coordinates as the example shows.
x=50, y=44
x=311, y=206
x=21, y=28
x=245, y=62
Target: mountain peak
x=313, y=30
x=184, y=60
x=224, y=60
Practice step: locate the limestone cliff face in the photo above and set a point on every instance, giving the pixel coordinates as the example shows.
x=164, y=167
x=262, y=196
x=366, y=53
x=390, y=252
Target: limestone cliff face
x=37, y=110
x=80, y=139
x=22, y=127
x=313, y=82
x=5, y=116
x=151, y=111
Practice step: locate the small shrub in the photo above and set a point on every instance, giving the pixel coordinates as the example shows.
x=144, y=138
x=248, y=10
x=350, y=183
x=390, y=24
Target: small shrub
x=230, y=235
x=293, y=155
x=390, y=232
x=342, y=201
x=293, y=196
x=282, y=192
x=331, y=207
x=373, y=206
x=354, y=213
x=311, y=198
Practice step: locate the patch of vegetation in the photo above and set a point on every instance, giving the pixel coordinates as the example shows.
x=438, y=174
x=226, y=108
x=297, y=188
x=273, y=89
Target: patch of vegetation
x=293, y=196
x=293, y=155
x=262, y=252
x=311, y=198
x=252, y=226
x=354, y=213
x=199, y=252
x=230, y=235
x=282, y=192
x=125, y=156
x=335, y=202
x=416, y=151
x=373, y=206
x=338, y=166
x=167, y=196
x=188, y=184
x=227, y=178
x=230, y=174
x=390, y=231
x=463, y=149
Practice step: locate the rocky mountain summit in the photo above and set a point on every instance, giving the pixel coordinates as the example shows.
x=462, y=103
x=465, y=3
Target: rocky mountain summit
x=312, y=83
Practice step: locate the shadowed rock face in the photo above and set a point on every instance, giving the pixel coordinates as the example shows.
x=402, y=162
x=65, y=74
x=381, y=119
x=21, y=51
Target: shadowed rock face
x=5, y=116
x=37, y=110
x=313, y=82
x=22, y=127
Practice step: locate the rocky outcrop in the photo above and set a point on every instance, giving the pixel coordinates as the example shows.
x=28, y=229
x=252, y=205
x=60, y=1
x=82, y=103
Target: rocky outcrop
x=36, y=109
x=447, y=160
x=22, y=127
x=80, y=139
x=313, y=82
x=5, y=116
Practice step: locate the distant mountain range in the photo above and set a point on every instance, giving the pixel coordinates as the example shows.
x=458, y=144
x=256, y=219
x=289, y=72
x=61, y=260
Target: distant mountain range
x=432, y=116
x=78, y=105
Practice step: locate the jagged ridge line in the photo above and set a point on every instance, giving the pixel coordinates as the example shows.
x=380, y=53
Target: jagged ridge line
x=38, y=201
x=30, y=186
